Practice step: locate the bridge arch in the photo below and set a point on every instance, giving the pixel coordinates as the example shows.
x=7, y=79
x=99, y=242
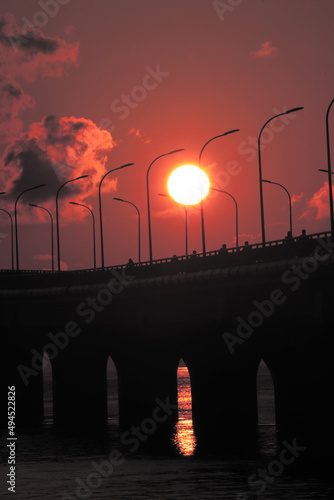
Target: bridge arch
x=184, y=437
x=47, y=389
x=266, y=402
x=112, y=391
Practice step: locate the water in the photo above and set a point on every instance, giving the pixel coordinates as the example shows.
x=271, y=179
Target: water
x=50, y=466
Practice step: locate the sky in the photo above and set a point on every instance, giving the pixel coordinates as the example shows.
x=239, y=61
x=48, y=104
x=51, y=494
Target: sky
x=86, y=87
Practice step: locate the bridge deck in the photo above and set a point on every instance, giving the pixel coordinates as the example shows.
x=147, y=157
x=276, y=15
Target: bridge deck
x=232, y=257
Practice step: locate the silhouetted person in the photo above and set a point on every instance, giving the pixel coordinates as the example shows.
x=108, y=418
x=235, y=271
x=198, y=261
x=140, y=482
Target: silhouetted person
x=247, y=246
x=302, y=243
x=303, y=236
x=174, y=258
x=193, y=255
x=223, y=249
x=288, y=238
x=130, y=264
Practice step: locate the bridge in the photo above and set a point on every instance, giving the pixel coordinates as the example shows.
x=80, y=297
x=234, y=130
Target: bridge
x=222, y=313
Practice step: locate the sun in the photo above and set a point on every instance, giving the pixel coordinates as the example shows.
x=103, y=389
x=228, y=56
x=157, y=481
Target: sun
x=188, y=185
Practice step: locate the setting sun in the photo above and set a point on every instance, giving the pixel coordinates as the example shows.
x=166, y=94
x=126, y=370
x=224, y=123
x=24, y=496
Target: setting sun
x=188, y=185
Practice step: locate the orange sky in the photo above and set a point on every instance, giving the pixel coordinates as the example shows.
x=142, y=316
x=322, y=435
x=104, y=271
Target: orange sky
x=99, y=84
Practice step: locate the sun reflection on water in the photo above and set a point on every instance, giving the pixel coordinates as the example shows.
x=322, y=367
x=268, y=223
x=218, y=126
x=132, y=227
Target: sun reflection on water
x=184, y=434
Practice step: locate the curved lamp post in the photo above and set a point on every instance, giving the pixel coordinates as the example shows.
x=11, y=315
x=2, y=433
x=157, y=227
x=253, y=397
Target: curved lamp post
x=100, y=208
x=15, y=216
x=51, y=219
x=330, y=173
x=236, y=214
x=130, y=203
x=329, y=169
x=260, y=167
x=57, y=215
x=11, y=234
x=93, y=218
x=148, y=199
x=199, y=163
x=287, y=192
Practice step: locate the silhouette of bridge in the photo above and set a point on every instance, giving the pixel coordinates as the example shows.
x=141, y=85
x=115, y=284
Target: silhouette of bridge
x=222, y=313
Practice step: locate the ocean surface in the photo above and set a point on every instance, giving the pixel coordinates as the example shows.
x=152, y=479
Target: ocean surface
x=50, y=466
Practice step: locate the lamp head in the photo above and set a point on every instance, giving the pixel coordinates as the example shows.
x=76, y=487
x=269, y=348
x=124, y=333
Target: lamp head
x=175, y=151
x=127, y=165
x=293, y=110
x=81, y=177
x=232, y=131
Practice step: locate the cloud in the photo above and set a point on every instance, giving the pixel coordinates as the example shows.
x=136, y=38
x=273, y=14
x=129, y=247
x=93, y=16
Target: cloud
x=318, y=202
x=251, y=238
x=47, y=258
x=266, y=50
x=25, y=57
x=136, y=132
x=53, y=150
x=13, y=101
x=31, y=54
x=295, y=198
x=56, y=150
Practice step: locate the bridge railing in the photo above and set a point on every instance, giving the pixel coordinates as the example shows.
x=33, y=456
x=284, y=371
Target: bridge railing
x=229, y=257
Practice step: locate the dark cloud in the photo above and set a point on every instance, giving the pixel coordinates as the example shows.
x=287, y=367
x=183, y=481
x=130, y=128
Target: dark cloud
x=31, y=41
x=54, y=151
x=13, y=101
x=24, y=57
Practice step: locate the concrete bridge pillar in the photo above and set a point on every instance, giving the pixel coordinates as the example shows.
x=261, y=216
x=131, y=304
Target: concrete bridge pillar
x=224, y=395
x=301, y=363
x=147, y=381
x=79, y=385
x=27, y=377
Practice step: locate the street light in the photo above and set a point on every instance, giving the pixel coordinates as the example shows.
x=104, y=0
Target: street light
x=51, y=219
x=329, y=169
x=93, y=218
x=11, y=234
x=260, y=167
x=186, y=220
x=148, y=199
x=287, y=192
x=57, y=215
x=100, y=207
x=236, y=214
x=199, y=163
x=15, y=216
x=130, y=203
